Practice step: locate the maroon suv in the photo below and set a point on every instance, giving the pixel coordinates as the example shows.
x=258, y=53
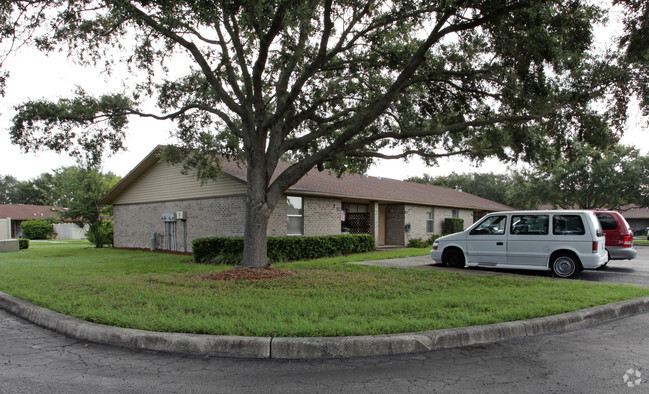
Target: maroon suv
x=619, y=237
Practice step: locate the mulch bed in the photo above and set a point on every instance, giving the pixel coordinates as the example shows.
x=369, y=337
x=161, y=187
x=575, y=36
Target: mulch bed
x=249, y=274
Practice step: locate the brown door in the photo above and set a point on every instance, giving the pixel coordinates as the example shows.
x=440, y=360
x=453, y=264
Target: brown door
x=381, y=225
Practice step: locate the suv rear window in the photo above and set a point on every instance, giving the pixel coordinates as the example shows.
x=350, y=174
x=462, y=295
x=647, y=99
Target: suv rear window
x=607, y=221
x=568, y=225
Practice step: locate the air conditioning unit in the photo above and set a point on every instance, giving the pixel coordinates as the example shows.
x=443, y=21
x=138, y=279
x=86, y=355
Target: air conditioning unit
x=181, y=215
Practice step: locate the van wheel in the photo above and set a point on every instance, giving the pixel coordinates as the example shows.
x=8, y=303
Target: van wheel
x=566, y=266
x=453, y=258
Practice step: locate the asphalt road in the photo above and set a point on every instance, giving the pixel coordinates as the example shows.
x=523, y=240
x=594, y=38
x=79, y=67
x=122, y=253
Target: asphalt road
x=595, y=359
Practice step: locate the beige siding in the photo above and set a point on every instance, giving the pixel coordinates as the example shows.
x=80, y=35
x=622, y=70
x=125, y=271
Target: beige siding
x=165, y=183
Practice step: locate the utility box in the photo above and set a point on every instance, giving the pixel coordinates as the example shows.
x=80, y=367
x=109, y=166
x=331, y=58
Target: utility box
x=181, y=215
x=9, y=245
x=169, y=217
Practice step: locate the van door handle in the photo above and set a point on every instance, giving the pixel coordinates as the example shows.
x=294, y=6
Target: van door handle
x=499, y=243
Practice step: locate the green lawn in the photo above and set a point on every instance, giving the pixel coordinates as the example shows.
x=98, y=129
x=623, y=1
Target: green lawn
x=325, y=297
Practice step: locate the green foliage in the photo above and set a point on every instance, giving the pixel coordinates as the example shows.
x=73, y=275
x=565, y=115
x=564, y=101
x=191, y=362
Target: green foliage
x=8, y=186
x=453, y=225
x=420, y=243
x=80, y=189
x=518, y=189
x=101, y=234
x=590, y=179
x=23, y=243
x=229, y=250
x=511, y=79
x=37, y=229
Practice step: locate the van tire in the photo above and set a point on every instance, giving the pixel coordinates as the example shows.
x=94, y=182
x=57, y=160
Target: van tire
x=565, y=266
x=453, y=258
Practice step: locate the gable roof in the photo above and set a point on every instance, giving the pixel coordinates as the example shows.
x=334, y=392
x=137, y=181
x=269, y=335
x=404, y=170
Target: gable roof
x=349, y=186
x=26, y=212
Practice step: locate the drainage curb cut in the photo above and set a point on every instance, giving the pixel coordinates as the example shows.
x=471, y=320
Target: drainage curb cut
x=326, y=347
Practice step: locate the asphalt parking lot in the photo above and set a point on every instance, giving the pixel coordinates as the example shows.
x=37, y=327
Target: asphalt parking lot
x=631, y=272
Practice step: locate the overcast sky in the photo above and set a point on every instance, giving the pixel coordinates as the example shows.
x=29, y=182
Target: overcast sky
x=34, y=76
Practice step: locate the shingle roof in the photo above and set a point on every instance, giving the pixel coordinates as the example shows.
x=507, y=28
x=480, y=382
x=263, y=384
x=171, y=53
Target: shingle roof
x=636, y=213
x=380, y=189
x=350, y=186
x=26, y=212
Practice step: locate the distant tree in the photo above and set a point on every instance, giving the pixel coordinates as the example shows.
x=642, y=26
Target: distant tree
x=329, y=84
x=8, y=187
x=525, y=190
x=486, y=185
x=589, y=178
x=37, y=191
x=79, y=189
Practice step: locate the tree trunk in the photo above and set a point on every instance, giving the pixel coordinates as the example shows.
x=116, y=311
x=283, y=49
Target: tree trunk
x=256, y=219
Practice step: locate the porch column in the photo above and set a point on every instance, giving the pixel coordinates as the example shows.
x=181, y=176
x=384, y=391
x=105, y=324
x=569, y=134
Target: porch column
x=374, y=221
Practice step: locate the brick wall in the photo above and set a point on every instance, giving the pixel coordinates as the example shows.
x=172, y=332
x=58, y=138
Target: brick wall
x=416, y=215
x=206, y=217
x=321, y=216
x=216, y=217
x=442, y=213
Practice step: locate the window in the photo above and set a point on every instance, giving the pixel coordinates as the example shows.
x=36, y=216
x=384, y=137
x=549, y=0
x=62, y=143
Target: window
x=295, y=215
x=456, y=213
x=568, y=225
x=529, y=225
x=430, y=221
x=493, y=225
x=607, y=221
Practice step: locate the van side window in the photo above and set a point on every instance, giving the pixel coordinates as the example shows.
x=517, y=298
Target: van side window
x=607, y=221
x=529, y=225
x=494, y=225
x=568, y=225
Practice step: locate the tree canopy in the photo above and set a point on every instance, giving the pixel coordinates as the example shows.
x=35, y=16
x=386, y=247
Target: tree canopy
x=328, y=84
x=588, y=178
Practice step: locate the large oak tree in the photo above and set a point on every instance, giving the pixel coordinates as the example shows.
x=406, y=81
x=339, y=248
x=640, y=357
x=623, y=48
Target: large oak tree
x=322, y=83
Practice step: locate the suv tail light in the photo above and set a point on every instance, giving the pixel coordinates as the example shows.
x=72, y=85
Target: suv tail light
x=628, y=241
x=595, y=246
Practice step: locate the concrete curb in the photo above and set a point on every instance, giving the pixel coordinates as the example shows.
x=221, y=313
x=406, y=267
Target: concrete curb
x=326, y=347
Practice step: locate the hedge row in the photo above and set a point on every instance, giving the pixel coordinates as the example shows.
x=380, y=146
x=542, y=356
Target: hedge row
x=230, y=249
x=23, y=243
x=453, y=225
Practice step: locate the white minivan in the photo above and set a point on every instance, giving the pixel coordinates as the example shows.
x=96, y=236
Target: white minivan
x=564, y=242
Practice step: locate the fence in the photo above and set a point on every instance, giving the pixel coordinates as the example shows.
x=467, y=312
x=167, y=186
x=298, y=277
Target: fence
x=70, y=231
x=5, y=229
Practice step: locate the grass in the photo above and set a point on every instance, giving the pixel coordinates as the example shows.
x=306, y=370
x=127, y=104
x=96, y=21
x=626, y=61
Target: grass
x=325, y=297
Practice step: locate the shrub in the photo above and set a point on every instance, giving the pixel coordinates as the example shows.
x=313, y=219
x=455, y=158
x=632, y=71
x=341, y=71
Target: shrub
x=37, y=229
x=416, y=243
x=229, y=250
x=103, y=237
x=453, y=225
x=23, y=243
x=419, y=243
